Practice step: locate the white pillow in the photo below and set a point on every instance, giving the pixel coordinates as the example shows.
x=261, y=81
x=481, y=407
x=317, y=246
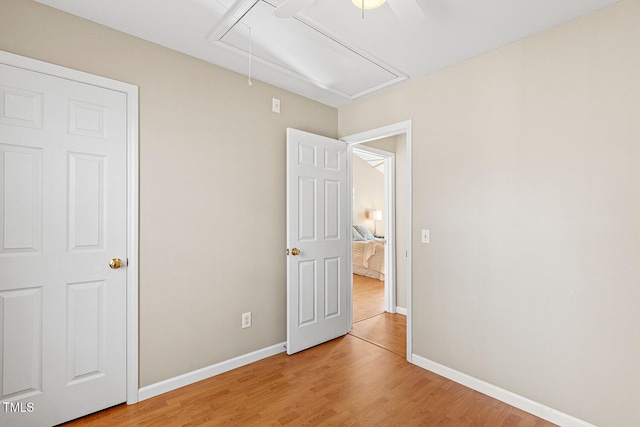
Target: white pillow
x=364, y=232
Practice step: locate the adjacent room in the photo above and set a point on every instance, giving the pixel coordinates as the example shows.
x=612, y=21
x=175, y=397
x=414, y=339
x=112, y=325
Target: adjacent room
x=379, y=234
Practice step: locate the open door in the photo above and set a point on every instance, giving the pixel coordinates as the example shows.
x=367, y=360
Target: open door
x=318, y=264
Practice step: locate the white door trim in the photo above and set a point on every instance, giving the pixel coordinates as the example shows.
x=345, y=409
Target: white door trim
x=131, y=93
x=389, y=222
x=384, y=132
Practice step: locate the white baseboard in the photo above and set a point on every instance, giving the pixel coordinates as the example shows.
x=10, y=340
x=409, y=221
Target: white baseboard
x=401, y=310
x=207, y=372
x=505, y=396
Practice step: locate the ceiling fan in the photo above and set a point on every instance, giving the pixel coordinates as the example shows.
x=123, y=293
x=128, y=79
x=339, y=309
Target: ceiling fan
x=407, y=11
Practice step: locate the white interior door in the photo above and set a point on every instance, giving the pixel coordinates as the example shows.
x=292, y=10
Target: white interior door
x=318, y=263
x=62, y=219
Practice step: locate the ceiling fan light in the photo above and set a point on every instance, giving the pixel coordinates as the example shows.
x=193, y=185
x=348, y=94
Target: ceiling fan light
x=368, y=4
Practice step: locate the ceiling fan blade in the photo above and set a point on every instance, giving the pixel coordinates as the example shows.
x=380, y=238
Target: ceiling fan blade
x=291, y=7
x=408, y=12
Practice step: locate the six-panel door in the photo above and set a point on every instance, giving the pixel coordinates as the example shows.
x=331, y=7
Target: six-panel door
x=62, y=218
x=318, y=278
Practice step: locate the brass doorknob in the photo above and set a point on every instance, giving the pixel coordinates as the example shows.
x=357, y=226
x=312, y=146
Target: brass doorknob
x=115, y=263
x=295, y=251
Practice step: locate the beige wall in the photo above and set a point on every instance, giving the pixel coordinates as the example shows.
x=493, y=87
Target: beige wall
x=369, y=190
x=212, y=179
x=526, y=169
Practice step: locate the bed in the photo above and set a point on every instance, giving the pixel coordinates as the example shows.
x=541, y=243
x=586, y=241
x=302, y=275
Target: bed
x=368, y=255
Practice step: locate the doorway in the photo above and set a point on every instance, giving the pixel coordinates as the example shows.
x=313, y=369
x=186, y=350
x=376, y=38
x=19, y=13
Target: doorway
x=375, y=317
x=396, y=227
x=373, y=204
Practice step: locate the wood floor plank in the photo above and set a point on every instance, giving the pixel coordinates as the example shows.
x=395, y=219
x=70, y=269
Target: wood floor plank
x=345, y=382
x=368, y=297
x=386, y=330
x=371, y=322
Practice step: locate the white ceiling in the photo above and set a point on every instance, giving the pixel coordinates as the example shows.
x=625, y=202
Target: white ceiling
x=372, y=160
x=328, y=52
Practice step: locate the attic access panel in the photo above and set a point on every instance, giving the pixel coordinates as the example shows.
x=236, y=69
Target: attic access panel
x=303, y=50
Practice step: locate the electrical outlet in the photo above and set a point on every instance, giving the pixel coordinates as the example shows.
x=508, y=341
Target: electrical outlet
x=246, y=320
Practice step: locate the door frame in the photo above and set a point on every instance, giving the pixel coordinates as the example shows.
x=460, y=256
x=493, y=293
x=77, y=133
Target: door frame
x=131, y=93
x=390, y=302
x=394, y=129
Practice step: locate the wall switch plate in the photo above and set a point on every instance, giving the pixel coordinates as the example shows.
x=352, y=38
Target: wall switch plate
x=275, y=105
x=425, y=236
x=246, y=320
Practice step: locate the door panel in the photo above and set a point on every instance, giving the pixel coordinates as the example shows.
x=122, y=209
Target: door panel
x=307, y=290
x=332, y=197
x=317, y=280
x=332, y=285
x=20, y=199
x=22, y=355
x=86, y=202
x=307, y=219
x=85, y=331
x=62, y=218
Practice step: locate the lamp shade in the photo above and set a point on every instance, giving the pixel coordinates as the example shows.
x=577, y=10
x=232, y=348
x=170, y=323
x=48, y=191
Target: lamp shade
x=375, y=215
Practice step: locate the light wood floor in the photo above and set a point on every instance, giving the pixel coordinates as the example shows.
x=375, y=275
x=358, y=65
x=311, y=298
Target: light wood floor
x=385, y=330
x=371, y=322
x=346, y=382
x=368, y=297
